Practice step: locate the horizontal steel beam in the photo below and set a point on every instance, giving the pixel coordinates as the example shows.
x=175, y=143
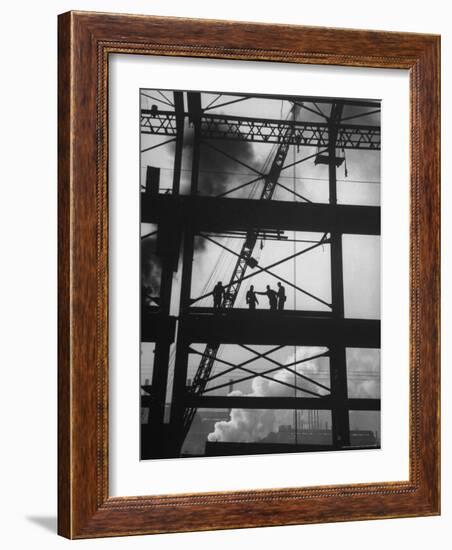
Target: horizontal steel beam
x=291, y=403
x=222, y=214
x=266, y=130
x=354, y=102
x=265, y=327
x=221, y=448
x=157, y=327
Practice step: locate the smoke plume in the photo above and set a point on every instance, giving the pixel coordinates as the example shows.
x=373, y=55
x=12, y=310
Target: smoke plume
x=251, y=425
x=151, y=266
x=216, y=170
x=360, y=360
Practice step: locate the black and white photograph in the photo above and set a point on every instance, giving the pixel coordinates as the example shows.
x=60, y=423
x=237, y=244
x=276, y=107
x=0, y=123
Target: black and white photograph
x=260, y=274
x=223, y=318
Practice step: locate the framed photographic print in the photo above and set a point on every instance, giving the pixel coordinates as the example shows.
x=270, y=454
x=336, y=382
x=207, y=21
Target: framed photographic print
x=248, y=275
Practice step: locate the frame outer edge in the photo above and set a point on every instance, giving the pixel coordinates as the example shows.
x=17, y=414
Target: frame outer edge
x=81, y=513
x=64, y=278
x=432, y=175
x=425, y=274
x=438, y=176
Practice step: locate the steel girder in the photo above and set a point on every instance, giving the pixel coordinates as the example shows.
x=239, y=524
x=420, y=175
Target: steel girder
x=262, y=130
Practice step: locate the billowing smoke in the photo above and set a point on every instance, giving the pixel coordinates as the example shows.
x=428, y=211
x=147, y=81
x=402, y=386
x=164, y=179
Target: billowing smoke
x=251, y=425
x=151, y=266
x=248, y=425
x=216, y=170
x=363, y=370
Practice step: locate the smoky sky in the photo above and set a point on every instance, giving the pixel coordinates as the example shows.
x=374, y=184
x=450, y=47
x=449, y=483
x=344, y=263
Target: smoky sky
x=150, y=264
x=216, y=171
x=256, y=424
x=219, y=173
x=356, y=115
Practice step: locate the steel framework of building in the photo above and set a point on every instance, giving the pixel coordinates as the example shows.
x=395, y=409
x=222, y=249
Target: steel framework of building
x=183, y=217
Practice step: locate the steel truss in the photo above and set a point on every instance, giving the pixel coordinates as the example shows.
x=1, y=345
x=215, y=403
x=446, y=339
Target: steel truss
x=262, y=130
x=264, y=374
x=265, y=269
x=244, y=260
x=329, y=329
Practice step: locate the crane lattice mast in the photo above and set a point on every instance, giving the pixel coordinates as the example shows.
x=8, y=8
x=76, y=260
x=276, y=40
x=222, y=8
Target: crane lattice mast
x=244, y=261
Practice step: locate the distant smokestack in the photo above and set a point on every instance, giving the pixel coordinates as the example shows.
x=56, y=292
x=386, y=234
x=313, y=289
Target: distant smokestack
x=247, y=425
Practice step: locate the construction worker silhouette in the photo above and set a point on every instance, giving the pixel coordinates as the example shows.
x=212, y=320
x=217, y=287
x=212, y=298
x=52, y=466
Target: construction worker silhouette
x=281, y=296
x=251, y=298
x=272, y=297
x=218, y=294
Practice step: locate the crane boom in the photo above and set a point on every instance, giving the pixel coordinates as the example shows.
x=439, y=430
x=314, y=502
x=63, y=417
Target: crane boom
x=244, y=261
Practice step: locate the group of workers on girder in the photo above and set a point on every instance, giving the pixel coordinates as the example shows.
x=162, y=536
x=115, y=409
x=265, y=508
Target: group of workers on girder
x=276, y=298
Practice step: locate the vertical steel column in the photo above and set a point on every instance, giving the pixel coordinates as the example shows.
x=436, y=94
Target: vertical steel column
x=162, y=346
x=165, y=251
x=179, y=109
x=194, y=113
x=159, y=384
x=181, y=365
x=338, y=363
x=196, y=152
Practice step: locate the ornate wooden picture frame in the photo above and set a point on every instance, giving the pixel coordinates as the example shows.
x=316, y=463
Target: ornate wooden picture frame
x=86, y=40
